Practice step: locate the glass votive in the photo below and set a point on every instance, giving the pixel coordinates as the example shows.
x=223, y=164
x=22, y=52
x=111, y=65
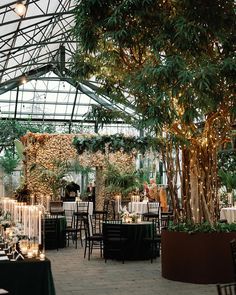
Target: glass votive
x=30, y=254
x=35, y=252
x=42, y=256
x=23, y=250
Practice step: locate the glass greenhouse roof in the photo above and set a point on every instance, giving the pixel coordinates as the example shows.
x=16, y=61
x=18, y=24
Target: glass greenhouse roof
x=36, y=53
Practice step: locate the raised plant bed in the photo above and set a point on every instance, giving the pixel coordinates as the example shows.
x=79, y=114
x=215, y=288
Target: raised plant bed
x=202, y=258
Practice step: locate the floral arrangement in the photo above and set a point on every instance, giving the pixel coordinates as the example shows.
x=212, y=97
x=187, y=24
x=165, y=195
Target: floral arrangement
x=123, y=212
x=128, y=217
x=5, y=219
x=15, y=232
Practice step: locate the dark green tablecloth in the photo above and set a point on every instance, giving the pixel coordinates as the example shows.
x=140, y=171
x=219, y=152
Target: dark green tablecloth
x=136, y=248
x=51, y=240
x=27, y=277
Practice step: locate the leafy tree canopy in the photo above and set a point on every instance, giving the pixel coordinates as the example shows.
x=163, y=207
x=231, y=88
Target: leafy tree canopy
x=174, y=58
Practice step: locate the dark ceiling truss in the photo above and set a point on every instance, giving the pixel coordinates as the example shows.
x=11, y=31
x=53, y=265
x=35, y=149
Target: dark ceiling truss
x=31, y=75
x=34, y=61
x=12, y=44
x=44, y=43
x=49, y=15
x=31, y=29
x=60, y=120
x=9, y=6
x=30, y=33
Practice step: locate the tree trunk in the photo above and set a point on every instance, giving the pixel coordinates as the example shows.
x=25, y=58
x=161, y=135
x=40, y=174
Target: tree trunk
x=100, y=187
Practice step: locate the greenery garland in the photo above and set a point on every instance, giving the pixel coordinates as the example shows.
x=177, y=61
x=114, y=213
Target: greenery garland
x=116, y=142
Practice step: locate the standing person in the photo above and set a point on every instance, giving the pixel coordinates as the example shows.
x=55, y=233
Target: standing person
x=153, y=191
x=71, y=191
x=91, y=194
x=163, y=200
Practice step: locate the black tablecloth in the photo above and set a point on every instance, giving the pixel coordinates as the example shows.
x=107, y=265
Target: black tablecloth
x=58, y=241
x=27, y=277
x=136, y=248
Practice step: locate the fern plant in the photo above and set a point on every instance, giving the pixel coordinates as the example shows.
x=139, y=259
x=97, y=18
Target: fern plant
x=228, y=179
x=121, y=182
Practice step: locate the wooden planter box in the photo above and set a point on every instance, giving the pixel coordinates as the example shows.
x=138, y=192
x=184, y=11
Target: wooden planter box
x=202, y=258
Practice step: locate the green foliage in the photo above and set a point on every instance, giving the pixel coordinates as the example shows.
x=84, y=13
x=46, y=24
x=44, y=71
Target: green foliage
x=79, y=169
x=226, y=165
x=123, y=182
x=228, y=179
x=53, y=177
x=115, y=143
x=103, y=115
x=157, y=51
x=9, y=161
x=204, y=227
x=227, y=160
x=12, y=129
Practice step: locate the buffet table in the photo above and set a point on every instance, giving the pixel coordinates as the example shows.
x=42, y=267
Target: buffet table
x=27, y=277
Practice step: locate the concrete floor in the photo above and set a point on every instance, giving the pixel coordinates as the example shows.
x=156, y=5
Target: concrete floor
x=75, y=275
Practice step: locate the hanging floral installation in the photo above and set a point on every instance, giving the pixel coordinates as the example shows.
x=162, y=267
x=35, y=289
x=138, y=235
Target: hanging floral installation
x=116, y=142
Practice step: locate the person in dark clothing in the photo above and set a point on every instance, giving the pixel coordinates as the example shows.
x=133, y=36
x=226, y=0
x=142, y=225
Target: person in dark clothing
x=91, y=194
x=71, y=191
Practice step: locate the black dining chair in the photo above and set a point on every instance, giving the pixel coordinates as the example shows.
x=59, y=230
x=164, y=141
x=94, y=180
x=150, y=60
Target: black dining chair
x=226, y=289
x=51, y=232
x=82, y=210
x=166, y=218
x=154, y=241
x=114, y=240
x=56, y=208
x=91, y=240
x=153, y=210
x=72, y=228
x=99, y=216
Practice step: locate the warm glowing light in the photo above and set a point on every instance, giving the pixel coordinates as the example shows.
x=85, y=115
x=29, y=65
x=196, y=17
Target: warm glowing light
x=24, y=80
x=20, y=9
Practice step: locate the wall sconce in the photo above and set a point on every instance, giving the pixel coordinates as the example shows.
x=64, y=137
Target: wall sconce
x=20, y=9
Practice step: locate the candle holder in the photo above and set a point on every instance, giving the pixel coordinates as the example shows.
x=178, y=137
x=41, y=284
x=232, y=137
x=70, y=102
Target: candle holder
x=42, y=256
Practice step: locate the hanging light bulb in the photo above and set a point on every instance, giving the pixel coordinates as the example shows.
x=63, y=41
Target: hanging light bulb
x=24, y=79
x=20, y=9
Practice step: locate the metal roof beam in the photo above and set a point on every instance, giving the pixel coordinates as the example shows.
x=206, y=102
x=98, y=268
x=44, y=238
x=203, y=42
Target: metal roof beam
x=32, y=74
x=49, y=15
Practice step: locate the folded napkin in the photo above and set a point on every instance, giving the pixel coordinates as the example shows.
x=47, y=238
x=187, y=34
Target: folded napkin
x=3, y=258
x=3, y=291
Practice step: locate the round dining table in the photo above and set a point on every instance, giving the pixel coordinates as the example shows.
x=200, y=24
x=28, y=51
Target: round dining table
x=136, y=247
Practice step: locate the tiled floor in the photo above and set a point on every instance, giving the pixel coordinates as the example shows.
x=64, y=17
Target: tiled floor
x=75, y=275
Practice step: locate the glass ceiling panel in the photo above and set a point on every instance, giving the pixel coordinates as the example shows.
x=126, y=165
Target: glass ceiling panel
x=39, y=48
x=34, y=40
x=45, y=98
